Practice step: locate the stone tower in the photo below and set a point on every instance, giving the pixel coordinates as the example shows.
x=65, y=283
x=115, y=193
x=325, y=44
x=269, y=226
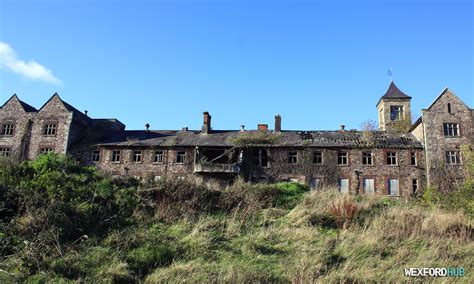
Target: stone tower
x=394, y=110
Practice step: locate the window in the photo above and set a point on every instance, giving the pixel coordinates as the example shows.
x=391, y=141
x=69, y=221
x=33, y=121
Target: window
x=318, y=158
x=414, y=183
x=137, y=156
x=413, y=159
x=396, y=112
x=46, y=150
x=4, y=152
x=293, y=157
x=158, y=157
x=367, y=158
x=180, y=157
x=260, y=158
x=96, y=156
x=343, y=185
x=453, y=158
x=50, y=129
x=368, y=184
x=7, y=129
x=449, y=108
x=115, y=156
x=342, y=158
x=392, y=158
x=393, y=187
x=451, y=129
x=157, y=178
x=315, y=183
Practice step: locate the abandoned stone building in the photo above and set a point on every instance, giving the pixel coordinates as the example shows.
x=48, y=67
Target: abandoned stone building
x=394, y=160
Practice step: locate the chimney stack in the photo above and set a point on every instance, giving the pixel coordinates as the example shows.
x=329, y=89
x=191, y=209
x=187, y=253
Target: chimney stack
x=343, y=127
x=85, y=112
x=263, y=127
x=242, y=128
x=206, y=126
x=277, y=123
x=147, y=126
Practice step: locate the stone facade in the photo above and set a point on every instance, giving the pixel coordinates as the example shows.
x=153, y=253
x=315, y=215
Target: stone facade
x=386, y=162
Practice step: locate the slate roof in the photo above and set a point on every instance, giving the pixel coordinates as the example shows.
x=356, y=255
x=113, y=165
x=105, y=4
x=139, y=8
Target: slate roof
x=227, y=138
x=393, y=92
x=24, y=105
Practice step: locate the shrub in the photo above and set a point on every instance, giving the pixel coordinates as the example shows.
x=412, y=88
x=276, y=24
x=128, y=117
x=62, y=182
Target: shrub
x=344, y=212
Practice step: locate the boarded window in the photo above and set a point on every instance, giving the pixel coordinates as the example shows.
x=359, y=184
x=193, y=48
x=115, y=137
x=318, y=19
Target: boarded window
x=368, y=186
x=315, y=183
x=343, y=185
x=393, y=187
x=7, y=129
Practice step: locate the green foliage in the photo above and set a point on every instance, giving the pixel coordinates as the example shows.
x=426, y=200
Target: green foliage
x=256, y=138
x=60, y=223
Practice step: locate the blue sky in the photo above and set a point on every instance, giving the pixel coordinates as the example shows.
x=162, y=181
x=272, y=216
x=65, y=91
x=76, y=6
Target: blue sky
x=317, y=63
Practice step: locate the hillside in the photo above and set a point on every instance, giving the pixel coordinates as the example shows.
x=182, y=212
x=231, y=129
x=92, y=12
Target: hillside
x=62, y=222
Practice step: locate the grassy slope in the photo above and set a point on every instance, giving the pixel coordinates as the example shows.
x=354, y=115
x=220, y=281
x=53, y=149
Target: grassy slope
x=185, y=231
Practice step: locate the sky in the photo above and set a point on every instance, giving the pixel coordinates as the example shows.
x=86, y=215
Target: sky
x=318, y=64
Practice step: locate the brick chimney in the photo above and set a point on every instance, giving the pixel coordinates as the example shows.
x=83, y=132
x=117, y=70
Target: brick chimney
x=263, y=127
x=206, y=125
x=277, y=123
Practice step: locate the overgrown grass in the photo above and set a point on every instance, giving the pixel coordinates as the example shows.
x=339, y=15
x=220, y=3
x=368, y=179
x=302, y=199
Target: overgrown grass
x=84, y=227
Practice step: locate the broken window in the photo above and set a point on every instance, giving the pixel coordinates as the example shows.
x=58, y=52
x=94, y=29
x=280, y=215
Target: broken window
x=453, y=158
x=342, y=158
x=260, y=157
x=50, y=129
x=137, y=156
x=7, y=129
x=396, y=112
x=413, y=159
x=96, y=156
x=158, y=157
x=318, y=158
x=180, y=157
x=115, y=156
x=5, y=151
x=367, y=158
x=293, y=157
x=392, y=158
x=451, y=129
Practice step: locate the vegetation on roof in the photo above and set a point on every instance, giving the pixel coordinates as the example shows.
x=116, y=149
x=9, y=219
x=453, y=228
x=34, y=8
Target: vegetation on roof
x=256, y=138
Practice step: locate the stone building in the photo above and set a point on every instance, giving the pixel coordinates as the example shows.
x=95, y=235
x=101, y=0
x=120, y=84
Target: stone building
x=394, y=160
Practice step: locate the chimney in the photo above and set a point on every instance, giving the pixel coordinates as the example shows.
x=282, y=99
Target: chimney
x=147, y=126
x=242, y=128
x=85, y=112
x=263, y=127
x=184, y=129
x=277, y=123
x=206, y=126
x=343, y=127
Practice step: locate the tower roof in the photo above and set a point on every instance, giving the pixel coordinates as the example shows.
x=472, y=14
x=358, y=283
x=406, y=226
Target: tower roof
x=393, y=92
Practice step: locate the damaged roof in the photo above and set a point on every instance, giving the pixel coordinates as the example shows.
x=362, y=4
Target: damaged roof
x=231, y=138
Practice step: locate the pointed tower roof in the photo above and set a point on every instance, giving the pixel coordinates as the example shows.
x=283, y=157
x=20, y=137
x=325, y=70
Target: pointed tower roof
x=393, y=92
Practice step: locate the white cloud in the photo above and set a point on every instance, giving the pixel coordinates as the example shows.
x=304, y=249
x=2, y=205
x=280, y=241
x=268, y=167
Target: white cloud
x=29, y=69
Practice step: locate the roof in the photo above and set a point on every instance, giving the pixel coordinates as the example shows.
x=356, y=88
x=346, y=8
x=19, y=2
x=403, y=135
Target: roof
x=393, y=92
x=24, y=105
x=68, y=107
x=230, y=138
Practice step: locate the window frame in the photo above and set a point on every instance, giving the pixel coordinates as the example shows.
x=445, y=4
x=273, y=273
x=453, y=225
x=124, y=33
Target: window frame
x=5, y=151
x=50, y=127
x=137, y=156
x=457, y=157
x=389, y=156
x=114, y=155
x=293, y=157
x=156, y=155
x=345, y=157
x=451, y=129
x=365, y=158
x=180, y=154
x=363, y=178
x=4, y=128
x=317, y=158
x=96, y=153
x=44, y=150
x=339, y=184
x=414, y=155
x=400, y=111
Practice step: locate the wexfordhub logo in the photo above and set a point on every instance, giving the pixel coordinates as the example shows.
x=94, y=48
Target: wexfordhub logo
x=435, y=272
